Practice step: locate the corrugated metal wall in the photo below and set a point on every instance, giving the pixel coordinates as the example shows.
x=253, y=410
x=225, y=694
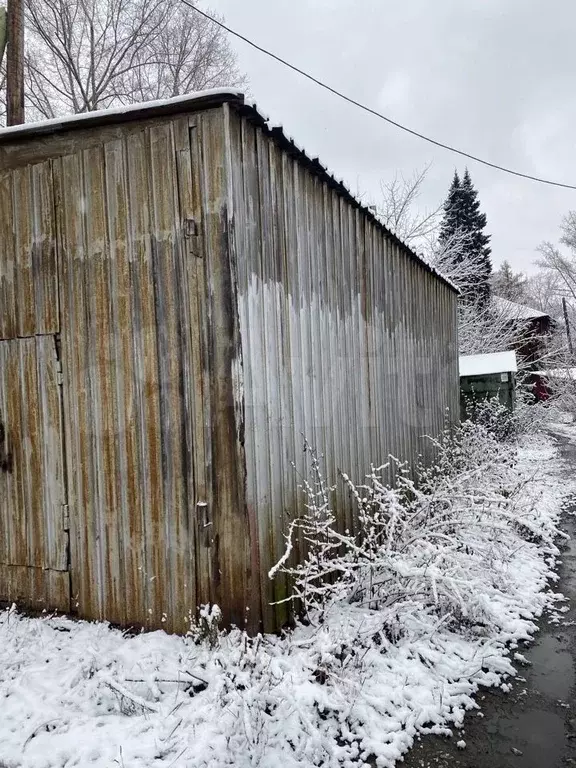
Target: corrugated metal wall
x=33, y=540
x=122, y=231
x=28, y=272
x=147, y=381
x=346, y=339
x=218, y=302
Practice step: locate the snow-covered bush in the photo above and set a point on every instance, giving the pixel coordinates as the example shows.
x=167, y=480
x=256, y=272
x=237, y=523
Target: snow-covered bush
x=425, y=541
x=489, y=412
x=532, y=417
x=528, y=416
x=206, y=627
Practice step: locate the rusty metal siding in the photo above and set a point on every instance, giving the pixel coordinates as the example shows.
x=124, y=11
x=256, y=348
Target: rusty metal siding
x=28, y=270
x=152, y=376
x=123, y=232
x=218, y=301
x=33, y=540
x=346, y=339
x=124, y=284
x=231, y=526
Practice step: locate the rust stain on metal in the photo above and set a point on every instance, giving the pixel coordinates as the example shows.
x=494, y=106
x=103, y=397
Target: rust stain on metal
x=32, y=536
x=28, y=272
x=154, y=531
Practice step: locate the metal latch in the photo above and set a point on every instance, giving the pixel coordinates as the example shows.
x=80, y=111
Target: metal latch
x=191, y=234
x=190, y=228
x=204, y=523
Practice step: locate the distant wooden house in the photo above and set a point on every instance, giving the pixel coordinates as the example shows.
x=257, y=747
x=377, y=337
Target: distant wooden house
x=184, y=294
x=532, y=329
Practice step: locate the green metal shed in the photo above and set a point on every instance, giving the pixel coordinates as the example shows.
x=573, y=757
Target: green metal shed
x=487, y=376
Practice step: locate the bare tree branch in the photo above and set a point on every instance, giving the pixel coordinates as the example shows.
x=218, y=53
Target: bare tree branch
x=543, y=292
x=396, y=210
x=2, y=94
x=562, y=265
x=84, y=55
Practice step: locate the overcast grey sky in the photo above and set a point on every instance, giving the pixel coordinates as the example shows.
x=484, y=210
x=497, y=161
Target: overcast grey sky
x=496, y=78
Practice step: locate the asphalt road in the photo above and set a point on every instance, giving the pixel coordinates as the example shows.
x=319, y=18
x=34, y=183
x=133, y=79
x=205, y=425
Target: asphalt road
x=533, y=726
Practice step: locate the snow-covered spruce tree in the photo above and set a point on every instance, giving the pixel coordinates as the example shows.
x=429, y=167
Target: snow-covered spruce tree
x=437, y=235
x=453, y=211
x=463, y=218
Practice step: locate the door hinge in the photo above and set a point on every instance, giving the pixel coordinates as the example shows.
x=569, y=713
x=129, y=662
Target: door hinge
x=65, y=517
x=59, y=374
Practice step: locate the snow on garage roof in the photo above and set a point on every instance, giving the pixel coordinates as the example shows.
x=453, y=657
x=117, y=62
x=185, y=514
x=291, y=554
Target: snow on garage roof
x=122, y=113
x=495, y=362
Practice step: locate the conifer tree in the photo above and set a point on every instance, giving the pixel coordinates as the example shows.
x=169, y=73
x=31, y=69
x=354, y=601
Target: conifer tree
x=452, y=221
x=465, y=223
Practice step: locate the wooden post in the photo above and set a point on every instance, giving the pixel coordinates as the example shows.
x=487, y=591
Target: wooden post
x=15, y=63
x=568, y=332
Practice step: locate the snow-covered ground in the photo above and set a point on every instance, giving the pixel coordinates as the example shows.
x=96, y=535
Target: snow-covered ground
x=362, y=683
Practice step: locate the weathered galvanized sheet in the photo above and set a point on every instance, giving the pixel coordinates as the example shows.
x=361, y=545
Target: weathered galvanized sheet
x=33, y=539
x=147, y=367
x=346, y=339
x=28, y=269
x=219, y=301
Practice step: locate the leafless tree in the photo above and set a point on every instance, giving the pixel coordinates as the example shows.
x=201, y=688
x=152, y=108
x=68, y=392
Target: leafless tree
x=559, y=264
x=543, y=291
x=188, y=54
x=559, y=372
x=558, y=272
x=83, y=55
x=491, y=328
x=568, y=228
x=397, y=210
x=450, y=257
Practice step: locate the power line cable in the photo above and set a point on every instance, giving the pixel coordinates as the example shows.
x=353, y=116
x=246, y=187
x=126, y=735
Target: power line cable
x=374, y=112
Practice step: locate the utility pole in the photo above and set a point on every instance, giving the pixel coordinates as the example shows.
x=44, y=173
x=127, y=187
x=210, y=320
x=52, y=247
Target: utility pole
x=568, y=332
x=15, y=63
x=2, y=32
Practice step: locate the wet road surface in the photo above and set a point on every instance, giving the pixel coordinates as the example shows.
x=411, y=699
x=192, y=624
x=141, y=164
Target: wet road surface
x=533, y=726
